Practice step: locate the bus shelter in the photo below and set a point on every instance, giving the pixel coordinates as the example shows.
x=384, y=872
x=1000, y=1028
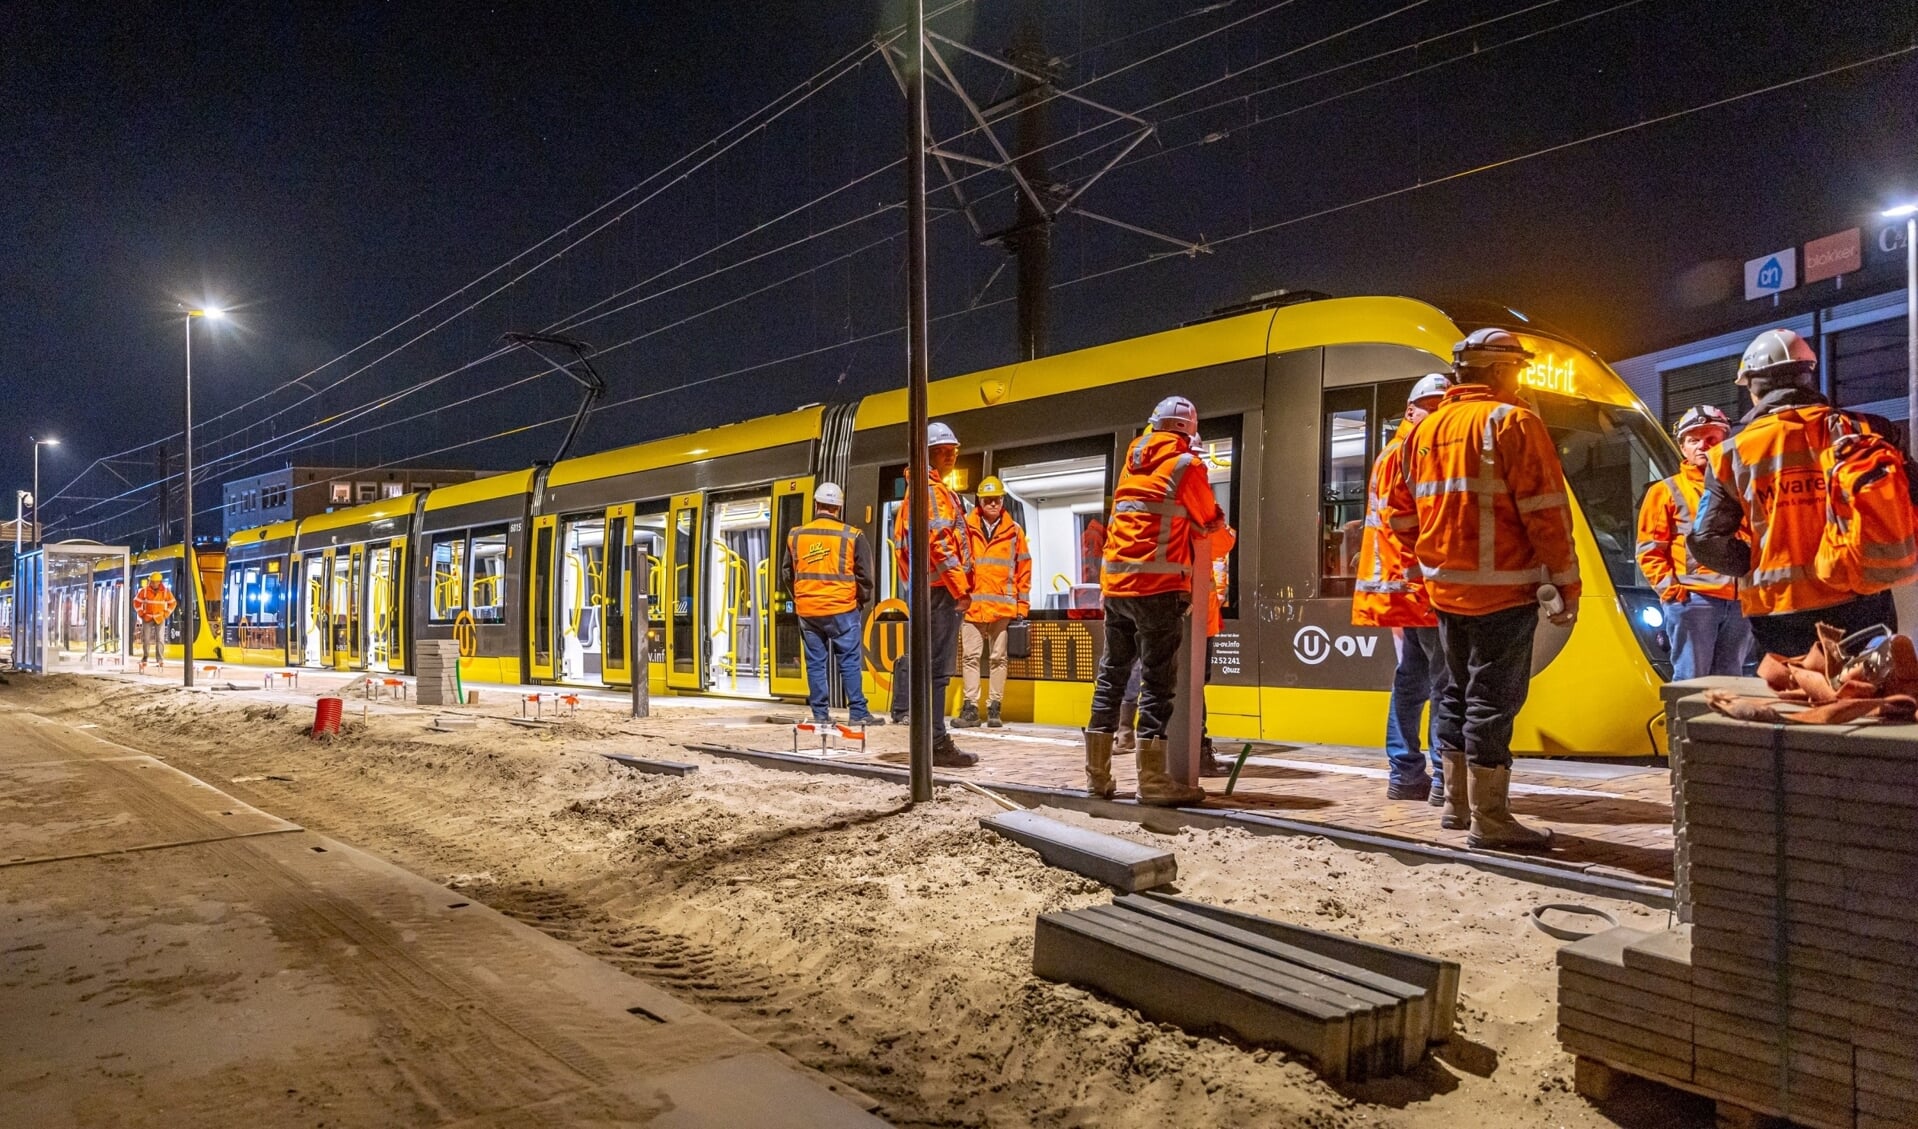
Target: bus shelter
x=69, y=604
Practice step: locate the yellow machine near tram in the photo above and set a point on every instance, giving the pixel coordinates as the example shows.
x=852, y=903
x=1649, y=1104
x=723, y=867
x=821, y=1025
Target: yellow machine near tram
x=540, y=575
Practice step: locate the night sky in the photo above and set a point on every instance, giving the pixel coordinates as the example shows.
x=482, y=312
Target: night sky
x=333, y=178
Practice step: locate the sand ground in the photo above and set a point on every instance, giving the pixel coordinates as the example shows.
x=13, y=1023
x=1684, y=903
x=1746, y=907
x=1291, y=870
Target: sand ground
x=885, y=945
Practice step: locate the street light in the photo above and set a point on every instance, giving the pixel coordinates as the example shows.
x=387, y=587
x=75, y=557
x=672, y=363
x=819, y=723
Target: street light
x=189, y=572
x=35, y=499
x=1909, y=213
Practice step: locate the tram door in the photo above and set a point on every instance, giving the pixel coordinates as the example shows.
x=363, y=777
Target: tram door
x=539, y=588
x=739, y=562
x=686, y=641
x=792, y=507
x=616, y=644
x=590, y=596
x=649, y=546
x=315, y=626
x=344, y=604
x=385, y=649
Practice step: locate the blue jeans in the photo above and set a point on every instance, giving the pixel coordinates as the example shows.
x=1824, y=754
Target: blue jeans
x=1420, y=678
x=839, y=635
x=945, y=647
x=1709, y=636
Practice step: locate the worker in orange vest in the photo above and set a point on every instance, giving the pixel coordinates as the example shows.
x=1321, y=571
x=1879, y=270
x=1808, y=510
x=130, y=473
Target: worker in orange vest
x=828, y=570
x=152, y=604
x=1001, y=583
x=1391, y=593
x=1484, y=507
x=949, y=571
x=1764, y=511
x=1161, y=506
x=1707, y=628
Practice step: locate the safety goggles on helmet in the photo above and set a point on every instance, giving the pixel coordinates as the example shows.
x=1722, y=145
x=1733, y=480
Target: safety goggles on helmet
x=1484, y=348
x=1704, y=415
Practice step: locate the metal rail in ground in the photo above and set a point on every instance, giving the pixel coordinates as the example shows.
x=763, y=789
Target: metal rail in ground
x=1656, y=895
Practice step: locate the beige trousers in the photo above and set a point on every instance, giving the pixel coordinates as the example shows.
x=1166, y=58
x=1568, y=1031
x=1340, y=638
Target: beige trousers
x=975, y=640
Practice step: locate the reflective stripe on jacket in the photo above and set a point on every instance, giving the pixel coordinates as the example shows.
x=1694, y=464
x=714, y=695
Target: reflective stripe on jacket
x=1390, y=592
x=1483, y=505
x=822, y=567
x=951, y=549
x=1001, y=570
x=153, y=605
x=1664, y=525
x=1163, y=500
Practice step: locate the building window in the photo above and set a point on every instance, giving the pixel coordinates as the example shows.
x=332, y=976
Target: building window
x=342, y=492
x=392, y=489
x=273, y=497
x=368, y=491
x=1708, y=382
x=1868, y=365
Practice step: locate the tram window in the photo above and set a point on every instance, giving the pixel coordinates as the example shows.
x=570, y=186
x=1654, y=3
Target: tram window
x=614, y=596
x=449, y=577
x=1057, y=492
x=1218, y=443
x=1345, y=462
x=486, y=594
x=649, y=541
x=1611, y=455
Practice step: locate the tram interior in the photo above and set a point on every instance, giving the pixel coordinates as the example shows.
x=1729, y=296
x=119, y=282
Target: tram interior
x=739, y=566
x=582, y=600
x=1061, y=504
x=649, y=540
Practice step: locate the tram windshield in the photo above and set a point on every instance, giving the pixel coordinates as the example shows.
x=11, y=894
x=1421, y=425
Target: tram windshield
x=1611, y=454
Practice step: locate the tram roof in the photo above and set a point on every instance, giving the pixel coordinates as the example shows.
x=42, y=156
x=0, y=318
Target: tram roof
x=509, y=485
x=716, y=442
x=401, y=506
x=259, y=533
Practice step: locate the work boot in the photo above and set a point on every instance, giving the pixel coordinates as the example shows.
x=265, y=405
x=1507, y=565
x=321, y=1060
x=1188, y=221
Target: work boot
x=1458, y=805
x=1155, y=787
x=1492, y=822
x=993, y=720
x=1437, y=798
x=1099, y=765
x=1125, y=740
x=867, y=719
x=1209, y=763
x=968, y=717
x=1420, y=789
x=945, y=754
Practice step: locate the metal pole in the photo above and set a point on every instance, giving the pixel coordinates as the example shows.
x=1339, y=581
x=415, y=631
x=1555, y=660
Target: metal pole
x=1911, y=334
x=919, y=627
x=36, y=494
x=188, y=577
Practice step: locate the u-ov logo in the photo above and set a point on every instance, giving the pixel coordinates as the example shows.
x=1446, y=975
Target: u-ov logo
x=1771, y=276
x=1313, y=645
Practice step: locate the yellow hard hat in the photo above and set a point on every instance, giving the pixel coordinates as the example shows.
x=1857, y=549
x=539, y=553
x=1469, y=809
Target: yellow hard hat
x=154, y=577
x=991, y=487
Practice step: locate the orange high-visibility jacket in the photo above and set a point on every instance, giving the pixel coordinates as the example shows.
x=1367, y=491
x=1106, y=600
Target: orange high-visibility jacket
x=1764, y=510
x=951, y=549
x=1390, y=591
x=825, y=568
x=1163, y=500
x=153, y=603
x=1664, y=525
x=1222, y=543
x=1482, y=505
x=1001, y=570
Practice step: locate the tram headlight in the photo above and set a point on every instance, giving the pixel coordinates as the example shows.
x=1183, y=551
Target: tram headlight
x=1647, y=619
x=1653, y=618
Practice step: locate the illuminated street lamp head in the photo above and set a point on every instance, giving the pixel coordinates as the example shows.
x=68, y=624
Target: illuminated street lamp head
x=211, y=313
x=1902, y=211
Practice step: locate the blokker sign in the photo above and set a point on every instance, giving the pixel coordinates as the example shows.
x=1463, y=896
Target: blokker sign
x=1771, y=274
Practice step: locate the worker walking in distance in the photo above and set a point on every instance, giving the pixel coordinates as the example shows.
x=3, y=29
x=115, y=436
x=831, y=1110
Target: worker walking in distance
x=828, y=570
x=1769, y=516
x=1708, y=630
x=1162, y=505
x=1483, y=507
x=949, y=572
x=1001, y=587
x=152, y=604
x=1391, y=593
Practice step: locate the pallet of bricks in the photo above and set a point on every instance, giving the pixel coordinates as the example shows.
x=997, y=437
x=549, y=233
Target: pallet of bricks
x=1794, y=992
x=436, y=667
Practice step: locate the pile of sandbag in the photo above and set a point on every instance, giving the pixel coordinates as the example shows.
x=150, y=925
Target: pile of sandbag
x=1838, y=685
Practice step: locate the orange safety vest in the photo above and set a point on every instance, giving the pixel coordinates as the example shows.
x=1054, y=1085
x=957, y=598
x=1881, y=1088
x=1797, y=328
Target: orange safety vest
x=1222, y=543
x=1390, y=591
x=824, y=579
x=1483, y=505
x=1163, y=501
x=1664, y=523
x=153, y=604
x=951, y=549
x=1001, y=570
x=1775, y=469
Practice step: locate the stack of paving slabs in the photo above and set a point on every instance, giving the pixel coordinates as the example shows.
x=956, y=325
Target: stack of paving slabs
x=1358, y=1010
x=1625, y=998
x=1804, y=847
x=436, y=662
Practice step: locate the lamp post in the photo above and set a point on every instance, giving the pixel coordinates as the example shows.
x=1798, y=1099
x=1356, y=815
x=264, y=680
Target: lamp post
x=189, y=571
x=34, y=499
x=1909, y=213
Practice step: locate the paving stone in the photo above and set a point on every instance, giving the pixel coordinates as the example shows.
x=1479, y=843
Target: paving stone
x=1758, y=1082
x=1643, y=994
x=1624, y=1054
x=1868, y=914
x=1628, y=1026
x=652, y=767
x=1758, y=1007
x=1814, y=1054
x=1666, y=952
x=1119, y=863
x=1880, y=1110
x=1884, y=1068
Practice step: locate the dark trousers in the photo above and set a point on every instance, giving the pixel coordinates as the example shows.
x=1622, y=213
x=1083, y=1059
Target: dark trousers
x=1143, y=629
x=945, y=646
x=825, y=637
x=1793, y=633
x=1489, y=661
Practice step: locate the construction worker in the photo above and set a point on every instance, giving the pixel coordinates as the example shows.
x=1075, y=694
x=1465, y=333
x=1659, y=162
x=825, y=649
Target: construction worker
x=1764, y=511
x=1001, y=584
x=1391, y=593
x=152, y=604
x=1483, y=507
x=1708, y=630
x=949, y=572
x=828, y=570
x=1162, y=505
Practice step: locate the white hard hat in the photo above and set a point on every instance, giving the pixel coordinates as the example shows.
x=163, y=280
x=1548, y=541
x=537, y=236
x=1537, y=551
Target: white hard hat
x=1489, y=346
x=1430, y=385
x=1176, y=413
x=829, y=494
x=1777, y=353
x=1704, y=415
x=939, y=435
